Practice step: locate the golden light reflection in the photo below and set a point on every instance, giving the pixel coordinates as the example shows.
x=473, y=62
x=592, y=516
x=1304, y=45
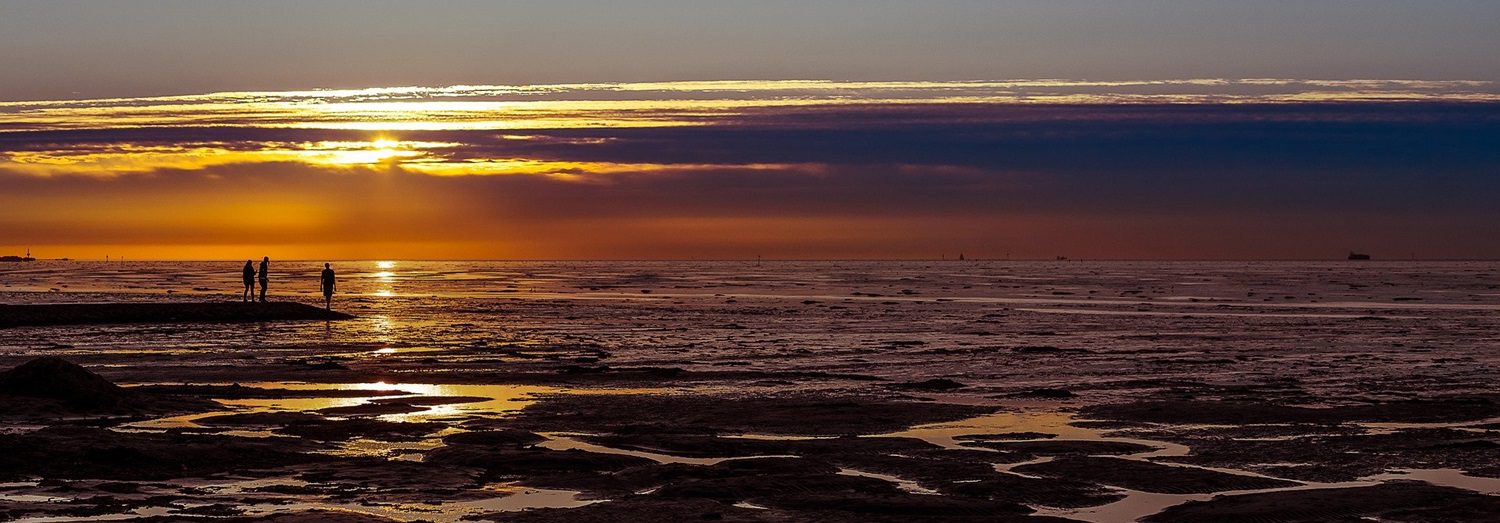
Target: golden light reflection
x=386, y=277
x=380, y=326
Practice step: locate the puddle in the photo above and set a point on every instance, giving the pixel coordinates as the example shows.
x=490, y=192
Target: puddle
x=1009, y=468
x=387, y=351
x=566, y=441
x=1388, y=428
x=503, y=399
x=499, y=401
x=1137, y=504
x=906, y=485
x=406, y=450
x=1444, y=477
x=519, y=498
x=1047, y=422
x=511, y=498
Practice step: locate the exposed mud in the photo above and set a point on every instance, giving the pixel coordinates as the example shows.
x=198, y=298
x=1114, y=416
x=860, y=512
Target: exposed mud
x=804, y=392
x=1398, y=501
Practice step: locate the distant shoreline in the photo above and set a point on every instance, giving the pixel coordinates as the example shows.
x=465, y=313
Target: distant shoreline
x=804, y=260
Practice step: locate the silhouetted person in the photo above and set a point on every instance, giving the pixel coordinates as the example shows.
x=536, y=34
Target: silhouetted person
x=265, y=276
x=249, y=294
x=328, y=283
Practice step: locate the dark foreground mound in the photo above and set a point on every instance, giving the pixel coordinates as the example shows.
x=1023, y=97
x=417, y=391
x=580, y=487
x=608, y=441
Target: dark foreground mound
x=55, y=378
x=49, y=387
x=211, y=312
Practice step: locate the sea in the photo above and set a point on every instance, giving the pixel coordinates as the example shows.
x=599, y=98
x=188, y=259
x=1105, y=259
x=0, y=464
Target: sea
x=988, y=323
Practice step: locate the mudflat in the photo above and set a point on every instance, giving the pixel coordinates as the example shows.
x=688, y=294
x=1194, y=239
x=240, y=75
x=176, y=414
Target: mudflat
x=982, y=391
x=162, y=313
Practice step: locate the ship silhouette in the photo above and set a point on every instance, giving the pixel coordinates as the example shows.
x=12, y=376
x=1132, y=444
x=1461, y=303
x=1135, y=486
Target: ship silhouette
x=1357, y=256
x=26, y=258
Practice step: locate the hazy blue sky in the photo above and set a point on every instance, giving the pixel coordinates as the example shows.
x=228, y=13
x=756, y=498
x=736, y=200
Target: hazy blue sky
x=72, y=49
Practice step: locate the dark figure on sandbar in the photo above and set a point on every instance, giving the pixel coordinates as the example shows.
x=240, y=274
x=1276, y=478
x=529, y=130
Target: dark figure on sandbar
x=249, y=294
x=265, y=276
x=328, y=283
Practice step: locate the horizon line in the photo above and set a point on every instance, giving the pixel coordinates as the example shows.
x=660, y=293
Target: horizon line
x=762, y=260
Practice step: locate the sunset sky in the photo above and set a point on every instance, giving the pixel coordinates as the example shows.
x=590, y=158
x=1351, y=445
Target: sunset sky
x=667, y=129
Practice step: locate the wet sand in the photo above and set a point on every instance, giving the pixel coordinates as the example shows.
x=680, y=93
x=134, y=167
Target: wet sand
x=160, y=313
x=820, y=392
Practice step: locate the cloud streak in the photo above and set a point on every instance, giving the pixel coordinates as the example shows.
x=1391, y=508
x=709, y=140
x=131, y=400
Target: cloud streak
x=1195, y=169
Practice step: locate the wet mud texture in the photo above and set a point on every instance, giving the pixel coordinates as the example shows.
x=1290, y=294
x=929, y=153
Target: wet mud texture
x=789, y=392
x=1402, y=501
x=203, y=312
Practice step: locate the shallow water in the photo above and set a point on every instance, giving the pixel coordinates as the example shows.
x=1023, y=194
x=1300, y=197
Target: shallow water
x=762, y=316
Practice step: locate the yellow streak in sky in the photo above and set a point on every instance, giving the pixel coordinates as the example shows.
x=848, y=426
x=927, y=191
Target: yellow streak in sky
x=387, y=111
x=656, y=104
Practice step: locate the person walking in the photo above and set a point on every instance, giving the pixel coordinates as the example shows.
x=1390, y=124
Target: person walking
x=328, y=283
x=265, y=276
x=249, y=273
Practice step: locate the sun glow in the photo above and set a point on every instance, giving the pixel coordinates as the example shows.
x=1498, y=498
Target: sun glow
x=381, y=150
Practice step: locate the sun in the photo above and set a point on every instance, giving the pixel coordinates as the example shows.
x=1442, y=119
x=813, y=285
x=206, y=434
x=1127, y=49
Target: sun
x=379, y=150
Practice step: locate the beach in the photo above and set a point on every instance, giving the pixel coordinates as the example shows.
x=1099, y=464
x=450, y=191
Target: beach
x=766, y=391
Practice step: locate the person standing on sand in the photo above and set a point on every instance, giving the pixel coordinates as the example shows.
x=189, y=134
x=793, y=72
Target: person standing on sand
x=328, y=282
x=265, y=276
x=249, y=271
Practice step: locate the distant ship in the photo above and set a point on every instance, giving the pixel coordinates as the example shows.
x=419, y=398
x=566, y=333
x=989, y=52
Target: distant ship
x=26, y=258
x=1357, y=256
